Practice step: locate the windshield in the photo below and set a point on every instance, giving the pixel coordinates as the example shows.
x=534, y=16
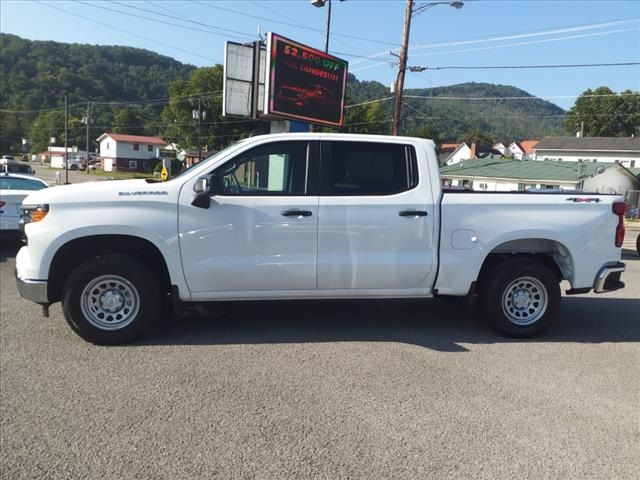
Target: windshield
x=215, y=155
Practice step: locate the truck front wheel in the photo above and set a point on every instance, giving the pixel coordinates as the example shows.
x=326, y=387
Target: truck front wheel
x=520, y=297
x=111, y=299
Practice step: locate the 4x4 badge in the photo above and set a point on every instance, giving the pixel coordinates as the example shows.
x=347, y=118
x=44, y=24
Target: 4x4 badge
x=583, y=200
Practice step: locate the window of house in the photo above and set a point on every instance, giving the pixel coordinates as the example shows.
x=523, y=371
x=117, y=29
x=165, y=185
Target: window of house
x=108, y=145
x=363, y=168
x=136, y=146
x=149, y=148
x=632, y=163
x=273, y=169
x=483, y=186
x=550, y=187
x=133, y=164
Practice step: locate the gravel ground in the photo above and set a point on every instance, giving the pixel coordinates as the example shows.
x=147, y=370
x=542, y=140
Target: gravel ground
x=371, y=390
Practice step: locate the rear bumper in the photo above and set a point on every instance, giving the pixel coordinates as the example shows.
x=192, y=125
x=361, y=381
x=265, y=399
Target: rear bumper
x=34, y=290
x=608, y=278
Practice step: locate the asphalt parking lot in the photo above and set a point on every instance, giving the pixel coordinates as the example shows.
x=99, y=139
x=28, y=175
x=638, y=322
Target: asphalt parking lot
x=403, y=389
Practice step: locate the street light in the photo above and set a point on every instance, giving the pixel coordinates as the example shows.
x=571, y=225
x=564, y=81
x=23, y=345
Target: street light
x=410, y=11
x=322, y=3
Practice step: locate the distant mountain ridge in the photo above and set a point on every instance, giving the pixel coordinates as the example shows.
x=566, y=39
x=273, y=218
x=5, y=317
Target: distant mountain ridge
x=506, y=120
x=33, y=75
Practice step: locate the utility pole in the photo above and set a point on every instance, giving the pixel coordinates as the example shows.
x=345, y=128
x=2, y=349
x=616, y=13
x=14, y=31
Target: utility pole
x=87, y=121
x=402, y=60
x=402, y=66
x=66, y=129
x=199, y=115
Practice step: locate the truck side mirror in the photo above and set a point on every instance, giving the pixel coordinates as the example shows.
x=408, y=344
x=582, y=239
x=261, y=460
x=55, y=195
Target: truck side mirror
x=204, y=188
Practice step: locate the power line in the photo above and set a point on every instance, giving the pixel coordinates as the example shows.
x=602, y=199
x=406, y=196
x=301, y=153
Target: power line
x=507, y=45
x=294, y=25
x=426, y=97
x=124, y=103
x=88, y=19
x=219, y=30
x=506, y=67
x=509, y=36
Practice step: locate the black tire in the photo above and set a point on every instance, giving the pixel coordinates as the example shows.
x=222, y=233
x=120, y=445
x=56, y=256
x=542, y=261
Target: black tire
x=131, y=293
x=73, y=167
x=520, y=297
x=638, y=244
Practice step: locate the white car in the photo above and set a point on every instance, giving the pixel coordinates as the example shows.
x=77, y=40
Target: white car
x=13, y=190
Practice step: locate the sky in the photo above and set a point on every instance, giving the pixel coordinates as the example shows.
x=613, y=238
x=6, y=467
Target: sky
x=482, y=33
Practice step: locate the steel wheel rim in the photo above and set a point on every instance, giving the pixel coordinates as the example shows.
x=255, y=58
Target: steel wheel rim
x=525, y=301
x=110, y=302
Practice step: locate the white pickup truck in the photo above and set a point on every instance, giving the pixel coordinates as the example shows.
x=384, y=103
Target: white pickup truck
x=309, y=216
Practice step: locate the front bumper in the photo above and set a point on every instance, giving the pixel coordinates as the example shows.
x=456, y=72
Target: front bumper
x=608, y=278
x=34, y=290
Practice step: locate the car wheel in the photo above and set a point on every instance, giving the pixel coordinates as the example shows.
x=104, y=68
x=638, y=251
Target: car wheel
x=111, y=299
x=520, y=297
x=73, y=167
x=638, y=244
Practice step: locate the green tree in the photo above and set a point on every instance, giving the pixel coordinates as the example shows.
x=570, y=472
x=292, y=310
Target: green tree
x=370, y=118
x=603, y=113
x=476, y=136
x=51, y=124
x=127, y=119
x=427, y=131
x=205, y=86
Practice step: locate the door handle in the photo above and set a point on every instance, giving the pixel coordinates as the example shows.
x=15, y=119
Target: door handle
x=296, y=213
x=412, y=213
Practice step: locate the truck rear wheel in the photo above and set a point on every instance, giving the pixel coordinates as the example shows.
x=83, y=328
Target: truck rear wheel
x=520, y=297
x=111, y=299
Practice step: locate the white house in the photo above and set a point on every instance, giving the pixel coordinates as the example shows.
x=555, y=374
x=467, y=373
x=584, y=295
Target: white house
x=460, y=153
x=129, y=152
x=500, y=147
x=610, y=178
x=623, y=150
x=523, y=150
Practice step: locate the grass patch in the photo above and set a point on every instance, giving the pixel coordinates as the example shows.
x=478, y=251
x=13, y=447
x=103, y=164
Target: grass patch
x=120, y=175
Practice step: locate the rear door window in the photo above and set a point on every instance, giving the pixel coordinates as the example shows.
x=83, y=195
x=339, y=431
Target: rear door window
x=367, y=168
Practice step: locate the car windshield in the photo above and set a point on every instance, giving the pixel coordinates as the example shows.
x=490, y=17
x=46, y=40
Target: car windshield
x=18, y=168
x=13, y=183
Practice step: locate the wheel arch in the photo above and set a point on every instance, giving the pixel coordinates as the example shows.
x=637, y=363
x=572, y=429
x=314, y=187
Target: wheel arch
x=553, y=253
x=78, y=250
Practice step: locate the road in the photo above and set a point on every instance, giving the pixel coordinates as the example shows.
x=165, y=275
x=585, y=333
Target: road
x=47, y=174
x=362, y=390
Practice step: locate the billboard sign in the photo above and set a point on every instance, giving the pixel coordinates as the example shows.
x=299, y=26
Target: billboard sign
x=243, y=70
x=303, y=83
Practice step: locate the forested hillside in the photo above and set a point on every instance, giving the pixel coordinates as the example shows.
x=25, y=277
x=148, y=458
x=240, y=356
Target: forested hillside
x=440, y=115
x=34, y=75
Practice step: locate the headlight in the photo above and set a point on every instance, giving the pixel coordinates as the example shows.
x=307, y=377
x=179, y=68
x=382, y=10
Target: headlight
x=34, y=213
